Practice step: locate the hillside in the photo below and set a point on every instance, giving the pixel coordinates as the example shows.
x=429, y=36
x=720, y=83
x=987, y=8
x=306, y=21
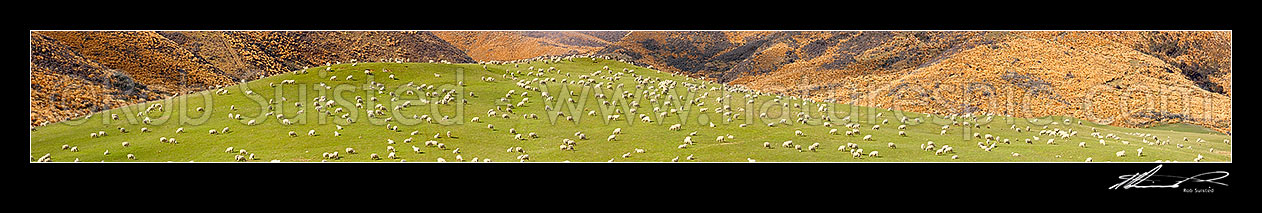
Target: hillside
x=153, y=65
x=1126, y=78
x=570, y=109
x=514, y=45
x=1027, y=74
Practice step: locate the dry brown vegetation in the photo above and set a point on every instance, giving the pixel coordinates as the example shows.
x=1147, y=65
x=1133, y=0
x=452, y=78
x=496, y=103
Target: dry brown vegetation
x=1131, y=79
x=77, y=72
x=514, y=45
x=1124, y=78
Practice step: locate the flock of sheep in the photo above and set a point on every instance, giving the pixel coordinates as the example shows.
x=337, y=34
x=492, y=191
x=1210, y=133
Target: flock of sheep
x=660, y=95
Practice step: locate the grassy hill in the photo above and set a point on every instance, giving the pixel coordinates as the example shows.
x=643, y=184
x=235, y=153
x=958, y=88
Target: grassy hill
x=270, y=140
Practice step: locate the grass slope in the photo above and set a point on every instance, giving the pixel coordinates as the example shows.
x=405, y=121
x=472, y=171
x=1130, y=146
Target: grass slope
x=269, y=140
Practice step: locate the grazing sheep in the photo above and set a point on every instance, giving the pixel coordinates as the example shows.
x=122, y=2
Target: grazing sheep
x=131, y=156
x=798, y=133
x=349, y=150
x=901, y=133
x=240, y=158
x=293, y=134
x=766, y=145
x=229, y=150
x=1121, y=153
x=617, y=131
x=1088, y=160
x=891, y=145
x=311, y=133
x=873, y=154
x=1082, y=144
x=867, y=137
x=374, y=156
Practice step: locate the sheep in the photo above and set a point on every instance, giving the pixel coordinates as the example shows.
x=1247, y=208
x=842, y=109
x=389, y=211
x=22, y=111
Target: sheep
x=180, y=130
x=229, y=150
x=617, y=131
x=1088, y=160
x=766, y=145
x=74, y=149
x=867, y=137
x=690, y=157
x=901, y=133
x=1121, y=153
x=131, y=156
x=873, y=154
x=720, y=139
x=676, y=127
x=374, y=156
x=612, y=137
x=1140, y=151
x=798, y=133
x=891, y=145
x=349, y=150
x=1082, y=144
x=311, y=133
x=240, y=158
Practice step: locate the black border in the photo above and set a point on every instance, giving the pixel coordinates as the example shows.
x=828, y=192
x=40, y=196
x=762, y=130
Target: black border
x=990, y=180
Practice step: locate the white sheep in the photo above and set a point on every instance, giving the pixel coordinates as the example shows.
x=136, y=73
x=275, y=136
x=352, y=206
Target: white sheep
x=867, y=137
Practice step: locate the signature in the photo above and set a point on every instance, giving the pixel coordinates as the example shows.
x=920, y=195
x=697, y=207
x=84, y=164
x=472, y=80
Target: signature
x=1134, y=180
